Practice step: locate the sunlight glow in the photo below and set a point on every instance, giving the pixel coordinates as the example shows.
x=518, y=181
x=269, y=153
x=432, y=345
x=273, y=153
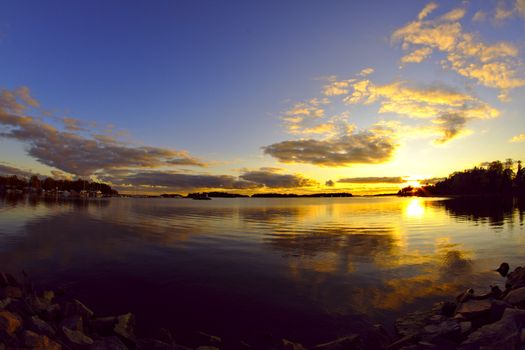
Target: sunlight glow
x=415, y=209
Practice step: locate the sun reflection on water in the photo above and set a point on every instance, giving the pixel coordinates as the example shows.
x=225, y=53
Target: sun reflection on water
x=415, y=209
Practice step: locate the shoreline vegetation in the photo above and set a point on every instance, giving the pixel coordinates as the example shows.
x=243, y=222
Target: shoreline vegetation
x=36, y=318
x=490, y=179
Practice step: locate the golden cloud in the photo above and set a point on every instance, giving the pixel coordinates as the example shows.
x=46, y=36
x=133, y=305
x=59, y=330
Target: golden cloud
x=493, y=65
x=518, y=138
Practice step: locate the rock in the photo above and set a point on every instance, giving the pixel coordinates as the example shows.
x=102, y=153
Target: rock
x=9, y=322
x=7, y=279
x=376, y=337
x=76, y=308
x=154, y=344
x=103, y=326
x=412, y=323
x=20, y=307
x=4, y=303
x=503, y=269
x=36, y=304
x=125, y=326
x=466, y=327
x=449, y=329
x=403, y=342
x=465, y=296
x=37, y=341
x=436, y=319
x=440, y=344
x=166, y=336
x=445, y=308
x=12, y=292
x=516, y=279
x=52, y=312
x=73, y=323
x=474, y=308
x=77, y=338
x=108, y=343
x=39, y=326
x=208, y=339
x=351, y=342
x=47, y=297
x=501, y=335
x=516, y=297
x=288, y=345
x=497, y=309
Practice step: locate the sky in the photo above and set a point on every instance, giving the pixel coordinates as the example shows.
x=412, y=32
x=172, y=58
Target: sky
x=260, y=96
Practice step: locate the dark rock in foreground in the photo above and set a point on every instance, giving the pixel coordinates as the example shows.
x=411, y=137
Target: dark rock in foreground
x=494, y=320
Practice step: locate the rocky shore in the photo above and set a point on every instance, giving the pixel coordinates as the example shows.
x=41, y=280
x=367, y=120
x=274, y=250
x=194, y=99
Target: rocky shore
x=32, y=319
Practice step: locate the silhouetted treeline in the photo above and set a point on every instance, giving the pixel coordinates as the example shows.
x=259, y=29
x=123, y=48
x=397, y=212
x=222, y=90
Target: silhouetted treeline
x=494, y=178
x=226, y=195
x=36, y=185
x=294, y=195
x=171, y=195
x=215, y=195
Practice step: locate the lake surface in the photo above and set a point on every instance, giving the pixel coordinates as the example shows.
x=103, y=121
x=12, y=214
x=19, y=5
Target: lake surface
x=308, y=269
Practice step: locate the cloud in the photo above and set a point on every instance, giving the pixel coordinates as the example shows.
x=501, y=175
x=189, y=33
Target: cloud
x=336, y=88
x=492, y=65
x=303, y=115
x=329, y=183
x=366, y=71
x=362, y=147
x=417, y=56
x=180, y=181
x=73, y=124
x=427, y=10
x=520, y=7
x=75, y=153
x=372, y=180
x=502, y=12
x=451, y=125
x=518, y=138
x=8, y=170
x=479, y=16
x=449, y=110
x=59, y=175
x=271, y=179
x=249, y=179
x=431, y=181
x=24, y=94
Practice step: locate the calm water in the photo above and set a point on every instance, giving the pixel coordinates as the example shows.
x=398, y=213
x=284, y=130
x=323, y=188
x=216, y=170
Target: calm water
x=306, y=269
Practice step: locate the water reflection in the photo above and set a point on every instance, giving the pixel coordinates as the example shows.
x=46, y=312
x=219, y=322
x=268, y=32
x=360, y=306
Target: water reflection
x=286, y=266
x=496, y=211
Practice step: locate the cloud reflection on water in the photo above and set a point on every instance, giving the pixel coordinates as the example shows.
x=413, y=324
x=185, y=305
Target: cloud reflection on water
x=337, y=256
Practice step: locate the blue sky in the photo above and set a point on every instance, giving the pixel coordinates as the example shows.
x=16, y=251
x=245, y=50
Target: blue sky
x=217, y=80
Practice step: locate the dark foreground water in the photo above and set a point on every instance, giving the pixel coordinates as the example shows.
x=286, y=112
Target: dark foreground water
x=308, y=269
